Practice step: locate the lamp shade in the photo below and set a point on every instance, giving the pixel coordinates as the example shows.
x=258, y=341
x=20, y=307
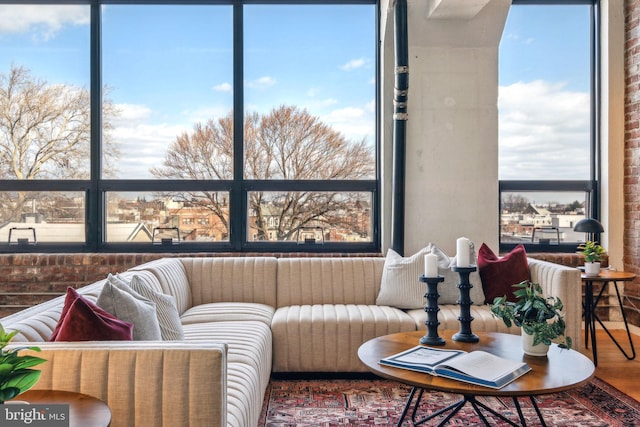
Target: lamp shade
x=588, y=225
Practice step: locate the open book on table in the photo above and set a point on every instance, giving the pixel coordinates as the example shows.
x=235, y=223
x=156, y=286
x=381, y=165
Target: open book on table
x=475, y=367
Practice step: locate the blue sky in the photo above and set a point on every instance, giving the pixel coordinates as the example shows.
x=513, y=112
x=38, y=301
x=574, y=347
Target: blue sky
x=169, y=67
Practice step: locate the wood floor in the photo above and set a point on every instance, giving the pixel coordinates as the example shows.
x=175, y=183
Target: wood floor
x=613, y=367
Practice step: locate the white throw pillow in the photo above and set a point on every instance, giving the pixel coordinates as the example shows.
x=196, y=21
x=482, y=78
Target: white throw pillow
x=124, y=303
x=166, y=310
x=401, y=286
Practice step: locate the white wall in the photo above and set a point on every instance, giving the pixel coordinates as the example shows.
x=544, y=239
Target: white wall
x=452, y=132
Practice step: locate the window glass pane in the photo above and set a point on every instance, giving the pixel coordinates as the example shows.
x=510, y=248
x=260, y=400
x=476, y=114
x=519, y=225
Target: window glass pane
x=46, y=216
x=310, y=91
x=544, y=93
x=44, y=92
x=301, y=216
x=541, y=217
x=167, y=71
x=152, y=217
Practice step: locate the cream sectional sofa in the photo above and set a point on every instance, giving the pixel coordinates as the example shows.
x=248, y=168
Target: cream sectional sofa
x=244, y=318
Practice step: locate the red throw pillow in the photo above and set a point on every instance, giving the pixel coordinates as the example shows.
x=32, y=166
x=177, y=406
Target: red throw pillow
x=498, y=275
x=82, y=320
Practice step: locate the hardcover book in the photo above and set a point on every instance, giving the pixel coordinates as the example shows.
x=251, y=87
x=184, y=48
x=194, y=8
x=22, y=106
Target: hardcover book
x=475, y=367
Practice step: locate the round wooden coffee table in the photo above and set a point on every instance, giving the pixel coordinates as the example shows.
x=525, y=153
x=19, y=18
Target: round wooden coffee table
x=84, y=410
x=561, y=370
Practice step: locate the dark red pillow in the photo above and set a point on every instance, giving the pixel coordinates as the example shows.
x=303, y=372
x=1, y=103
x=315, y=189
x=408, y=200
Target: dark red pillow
x=82, y=320
x=498, y=275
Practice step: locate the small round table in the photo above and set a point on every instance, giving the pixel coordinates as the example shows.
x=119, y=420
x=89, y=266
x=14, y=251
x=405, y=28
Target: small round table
x=590, y=316
x=84, y=410
x=560, y=371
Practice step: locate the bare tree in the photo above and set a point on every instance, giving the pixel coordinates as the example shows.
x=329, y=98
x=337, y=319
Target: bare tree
x=45, y=132
x=287, y=143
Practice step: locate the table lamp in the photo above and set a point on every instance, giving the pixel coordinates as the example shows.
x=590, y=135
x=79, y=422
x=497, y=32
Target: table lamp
x=591, y=227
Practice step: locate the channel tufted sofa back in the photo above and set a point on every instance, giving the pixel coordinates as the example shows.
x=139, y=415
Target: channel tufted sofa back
x=308, y=281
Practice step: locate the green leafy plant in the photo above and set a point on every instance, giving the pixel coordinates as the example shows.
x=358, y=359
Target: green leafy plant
x=592, y=251
x=537, y=315
x=16, y=375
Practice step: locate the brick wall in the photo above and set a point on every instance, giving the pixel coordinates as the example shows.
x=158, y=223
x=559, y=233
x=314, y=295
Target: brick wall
x=632, y=157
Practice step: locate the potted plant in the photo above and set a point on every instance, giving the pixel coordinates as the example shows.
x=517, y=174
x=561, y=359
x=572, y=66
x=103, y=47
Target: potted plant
x=593, y=253
x=539, y=317
x=16, y=375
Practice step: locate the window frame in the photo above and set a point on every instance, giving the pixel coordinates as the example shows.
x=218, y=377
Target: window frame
x=96, y=188
x=591, y=186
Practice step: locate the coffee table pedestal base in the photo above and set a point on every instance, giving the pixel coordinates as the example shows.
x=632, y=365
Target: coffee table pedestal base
x=454, y=408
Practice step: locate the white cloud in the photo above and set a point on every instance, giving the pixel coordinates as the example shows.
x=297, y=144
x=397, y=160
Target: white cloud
x=353, y=122
x=143, y=139
x=262, y=83
x=544, y=131
x=131, y=112
x=224, y=87
x=354, y=64
x=320, y=103
x=371, y=106
x=143, y=146
x=43, y=21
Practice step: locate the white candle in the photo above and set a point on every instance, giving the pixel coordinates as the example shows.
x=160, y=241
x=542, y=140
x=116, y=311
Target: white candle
x=430, y=265
x=462, y=252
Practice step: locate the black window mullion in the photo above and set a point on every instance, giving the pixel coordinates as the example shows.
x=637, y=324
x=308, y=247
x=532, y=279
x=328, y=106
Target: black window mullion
x=311, y=185
x=238, y=196
x=95, y=216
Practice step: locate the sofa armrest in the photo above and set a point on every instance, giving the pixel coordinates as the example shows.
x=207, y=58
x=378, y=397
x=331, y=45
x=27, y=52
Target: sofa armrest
x=565, y=283
x=144, y=383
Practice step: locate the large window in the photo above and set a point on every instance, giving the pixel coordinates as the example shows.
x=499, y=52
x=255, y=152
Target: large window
x=199, y=126
x=548, y=134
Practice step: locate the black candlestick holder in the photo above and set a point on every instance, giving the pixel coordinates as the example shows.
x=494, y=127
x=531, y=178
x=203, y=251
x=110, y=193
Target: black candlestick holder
x=432, y=310
x=465, y=318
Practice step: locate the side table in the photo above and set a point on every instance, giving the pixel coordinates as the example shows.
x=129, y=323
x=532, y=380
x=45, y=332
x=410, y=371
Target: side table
x=84, y=410
x=590, y=315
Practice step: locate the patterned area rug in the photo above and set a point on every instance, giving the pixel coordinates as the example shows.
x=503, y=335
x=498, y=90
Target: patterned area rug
x=377, y=402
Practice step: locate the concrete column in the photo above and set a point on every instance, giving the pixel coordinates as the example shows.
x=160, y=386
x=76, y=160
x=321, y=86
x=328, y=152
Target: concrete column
x=452, y=136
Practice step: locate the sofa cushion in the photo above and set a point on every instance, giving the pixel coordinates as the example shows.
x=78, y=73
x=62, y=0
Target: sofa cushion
x=228, y=311
x=126, y=304
x=328, y=280
x=326, y=337
x=232, y=279
x=166, y=310
x=249, y=358
x=483, y=320
x=401, y=286
x=172, y=278
x=82, y=320
x=498, y=275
